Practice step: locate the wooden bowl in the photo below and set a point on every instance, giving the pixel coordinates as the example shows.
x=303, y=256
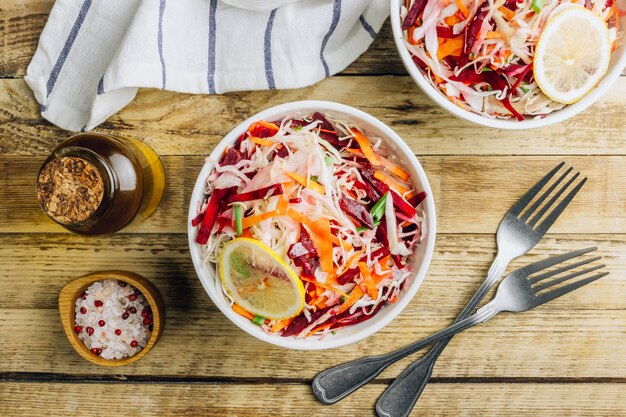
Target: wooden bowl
x=67, y=305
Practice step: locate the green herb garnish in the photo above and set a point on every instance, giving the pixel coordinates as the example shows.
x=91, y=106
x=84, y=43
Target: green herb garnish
x=238, y=224
x=258, y=320
x=379, y=209
x=537, y=5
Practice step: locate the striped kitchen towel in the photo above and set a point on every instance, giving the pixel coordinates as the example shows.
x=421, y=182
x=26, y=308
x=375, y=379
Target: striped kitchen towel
x=93, y=55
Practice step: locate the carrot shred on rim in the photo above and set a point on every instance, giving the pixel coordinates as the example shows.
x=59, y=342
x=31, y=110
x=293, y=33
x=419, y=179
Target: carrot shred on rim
x=281, y=324
x=365, y=146
x=242, y=312
x=318, y=328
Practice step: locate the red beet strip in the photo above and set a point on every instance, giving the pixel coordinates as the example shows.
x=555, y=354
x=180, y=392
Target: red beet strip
x=210, y=214
x=356, y=210
x=264, y=192
x=414, y=12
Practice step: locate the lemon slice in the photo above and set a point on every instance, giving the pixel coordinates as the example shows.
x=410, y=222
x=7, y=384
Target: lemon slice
x=572, y=54
x=259, y=280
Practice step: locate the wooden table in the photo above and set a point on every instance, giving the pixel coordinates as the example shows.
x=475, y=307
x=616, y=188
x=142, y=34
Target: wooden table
x=566, y=358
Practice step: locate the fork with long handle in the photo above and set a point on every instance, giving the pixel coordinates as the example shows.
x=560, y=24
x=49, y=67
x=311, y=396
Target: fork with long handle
x=517, y=234
x=527, y=288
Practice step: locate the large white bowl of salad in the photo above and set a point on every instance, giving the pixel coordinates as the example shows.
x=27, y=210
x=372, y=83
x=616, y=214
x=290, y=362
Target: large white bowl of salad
x=311, y=225
x=511, y=64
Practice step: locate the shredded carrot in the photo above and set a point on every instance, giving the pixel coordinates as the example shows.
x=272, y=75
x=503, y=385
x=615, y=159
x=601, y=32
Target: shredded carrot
x=270, y=126
x=319, y=302
x=395, y=168
x=246, y=233
x=507, y=13
x=392, y=299
x=462, y=7
x=325, y=246
x=354, y=258
x=452, y=46
x=452, y=20
x=391, y=182
x=242, y=312
x=324, y=286
x=354, y=296
x=280, y=324
x=313, y=185
x=318, y=328
x=332, y=132
x=493, y=35
x=368, y=280
x=313, y=226
x=364, y=143
x=391, y=166
x=249, y=221
x=410, y=36
x=261, y=142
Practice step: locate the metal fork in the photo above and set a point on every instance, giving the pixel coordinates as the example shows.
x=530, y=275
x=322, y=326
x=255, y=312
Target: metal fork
x=521, y=290
x=519, y=231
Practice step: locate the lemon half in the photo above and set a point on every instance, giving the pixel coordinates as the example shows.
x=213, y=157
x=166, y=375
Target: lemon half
x=572, y=54
x=259, y=280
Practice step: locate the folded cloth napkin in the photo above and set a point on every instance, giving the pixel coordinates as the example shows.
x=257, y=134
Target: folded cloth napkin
x=93, y=55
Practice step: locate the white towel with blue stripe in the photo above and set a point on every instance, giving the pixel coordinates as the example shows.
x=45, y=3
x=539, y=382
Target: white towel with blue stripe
x=93, y=55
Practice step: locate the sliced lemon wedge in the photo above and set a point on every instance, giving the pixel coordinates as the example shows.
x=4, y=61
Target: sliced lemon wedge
x=259, y=280
x=572, y=54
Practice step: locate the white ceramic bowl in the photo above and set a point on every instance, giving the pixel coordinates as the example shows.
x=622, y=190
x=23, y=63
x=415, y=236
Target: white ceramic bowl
x=616, y=67
x=419, y=261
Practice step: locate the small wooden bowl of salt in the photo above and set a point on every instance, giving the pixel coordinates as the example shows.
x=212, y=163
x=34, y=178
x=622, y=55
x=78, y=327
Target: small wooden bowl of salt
x=112, y=318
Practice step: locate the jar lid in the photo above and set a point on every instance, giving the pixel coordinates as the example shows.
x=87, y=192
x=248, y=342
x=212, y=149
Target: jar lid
x=70, y=189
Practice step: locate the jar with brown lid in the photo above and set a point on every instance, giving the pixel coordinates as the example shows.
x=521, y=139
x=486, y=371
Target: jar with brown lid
x=96, y=184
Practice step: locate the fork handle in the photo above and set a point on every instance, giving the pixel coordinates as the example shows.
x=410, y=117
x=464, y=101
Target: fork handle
x=400, y=397
x=335, y=383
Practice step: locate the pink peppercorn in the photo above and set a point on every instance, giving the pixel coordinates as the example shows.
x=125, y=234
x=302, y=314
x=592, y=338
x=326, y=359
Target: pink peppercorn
x=124, y=316
x=147, y=321
x=132, y=310
x=98, y=303
x=83, y=295
x=101, y=323
x=132, y=297
x=83, y=310
x=133, y=343
x=89, y=330
x=78, y=329
x=145, y=313
x=96, y=351
x=118, y=332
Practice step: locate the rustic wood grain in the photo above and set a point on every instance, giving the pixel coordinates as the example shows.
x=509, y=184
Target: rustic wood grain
x=439, y=400
x=582, y=333
x=471, y=193
x=185, y=124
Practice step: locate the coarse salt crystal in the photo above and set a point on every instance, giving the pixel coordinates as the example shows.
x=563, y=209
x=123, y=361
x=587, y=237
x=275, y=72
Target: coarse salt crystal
x=117, y=303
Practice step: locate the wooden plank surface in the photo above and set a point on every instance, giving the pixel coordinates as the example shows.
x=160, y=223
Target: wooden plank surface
x=563, y=359
x=471, y=193
x=184, y=124
x=460, y=400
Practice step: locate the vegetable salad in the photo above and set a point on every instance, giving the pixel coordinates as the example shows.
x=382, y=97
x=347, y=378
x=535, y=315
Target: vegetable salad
x=479, y=53
x=335, y=204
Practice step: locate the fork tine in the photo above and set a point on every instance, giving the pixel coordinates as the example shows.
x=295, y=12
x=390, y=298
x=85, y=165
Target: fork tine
x=556, y=212
x=530, y=194
x=547, y=263
x=549, y=274
x=559, y=280
x=543, y=298
x=549, y=204
x=540, y=200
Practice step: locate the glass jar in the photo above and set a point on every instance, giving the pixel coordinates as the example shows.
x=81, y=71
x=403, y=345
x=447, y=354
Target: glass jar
x=96, y=184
